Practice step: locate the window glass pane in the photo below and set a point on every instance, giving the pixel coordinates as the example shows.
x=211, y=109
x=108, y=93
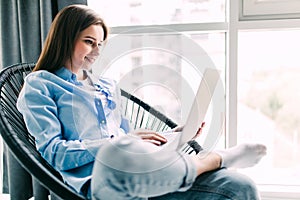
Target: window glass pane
x=158, y=73
x=268, y=102
x=154, y=12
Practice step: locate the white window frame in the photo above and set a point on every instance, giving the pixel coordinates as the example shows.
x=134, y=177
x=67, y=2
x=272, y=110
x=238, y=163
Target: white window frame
x=238, y=20
x=269, y=9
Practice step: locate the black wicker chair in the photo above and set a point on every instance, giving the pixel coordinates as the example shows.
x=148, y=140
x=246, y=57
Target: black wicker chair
x=22, y=144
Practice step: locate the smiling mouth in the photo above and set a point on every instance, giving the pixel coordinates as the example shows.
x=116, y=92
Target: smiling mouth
x=90, y=60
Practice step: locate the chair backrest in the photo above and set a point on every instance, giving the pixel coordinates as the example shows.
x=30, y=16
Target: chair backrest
x=22, y=144
x=142, y=115
x=17, y=138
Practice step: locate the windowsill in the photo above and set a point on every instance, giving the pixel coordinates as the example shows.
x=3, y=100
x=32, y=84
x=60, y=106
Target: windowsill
x=278, y=192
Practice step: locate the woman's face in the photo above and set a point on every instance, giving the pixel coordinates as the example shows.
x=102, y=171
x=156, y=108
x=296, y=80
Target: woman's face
x=86, y=49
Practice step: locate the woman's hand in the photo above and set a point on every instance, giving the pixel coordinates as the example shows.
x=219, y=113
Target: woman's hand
x=150, y=136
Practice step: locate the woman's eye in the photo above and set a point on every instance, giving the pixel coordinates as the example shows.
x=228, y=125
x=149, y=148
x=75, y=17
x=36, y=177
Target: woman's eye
x=90, y=42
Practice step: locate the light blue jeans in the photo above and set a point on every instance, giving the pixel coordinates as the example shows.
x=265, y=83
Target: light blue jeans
x=129, y=168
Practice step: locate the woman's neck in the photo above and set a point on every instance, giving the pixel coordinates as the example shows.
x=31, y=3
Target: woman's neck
x=81, y=75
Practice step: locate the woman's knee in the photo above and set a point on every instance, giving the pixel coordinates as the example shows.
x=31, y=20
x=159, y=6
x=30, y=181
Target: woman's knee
x=138, y=168
x=132, y=155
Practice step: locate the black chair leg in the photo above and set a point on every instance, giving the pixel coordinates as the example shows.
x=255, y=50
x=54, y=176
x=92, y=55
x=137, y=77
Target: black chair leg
x=20, y=185
x=39, y=191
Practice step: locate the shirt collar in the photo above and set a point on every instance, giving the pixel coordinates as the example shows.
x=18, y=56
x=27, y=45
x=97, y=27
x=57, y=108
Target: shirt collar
x=67, y=75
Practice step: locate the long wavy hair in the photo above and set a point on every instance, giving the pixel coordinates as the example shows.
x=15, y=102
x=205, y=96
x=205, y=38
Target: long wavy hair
x=64, y=31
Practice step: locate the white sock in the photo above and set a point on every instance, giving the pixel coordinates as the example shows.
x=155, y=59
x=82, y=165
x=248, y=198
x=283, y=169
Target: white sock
x=243, y=155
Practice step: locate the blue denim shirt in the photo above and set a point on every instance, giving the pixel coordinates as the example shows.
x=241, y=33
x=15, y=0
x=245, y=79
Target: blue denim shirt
x=69, y=122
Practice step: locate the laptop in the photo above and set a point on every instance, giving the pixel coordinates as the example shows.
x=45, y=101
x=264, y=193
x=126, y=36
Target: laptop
x=198, y=110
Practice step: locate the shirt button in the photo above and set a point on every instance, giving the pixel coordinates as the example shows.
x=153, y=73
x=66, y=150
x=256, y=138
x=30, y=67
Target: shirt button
x=102, y=122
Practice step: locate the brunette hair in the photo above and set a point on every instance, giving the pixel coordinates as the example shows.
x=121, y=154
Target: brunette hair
x=63, y=33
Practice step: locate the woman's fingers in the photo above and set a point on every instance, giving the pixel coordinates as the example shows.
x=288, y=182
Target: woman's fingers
x=155, y=142
x=152, y=137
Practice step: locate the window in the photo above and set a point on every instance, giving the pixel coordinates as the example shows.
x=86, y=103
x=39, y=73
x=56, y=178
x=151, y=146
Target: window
x=169, y=44
x=256, y=54
x=136, y=66
x=268, y=102
x=149, y=12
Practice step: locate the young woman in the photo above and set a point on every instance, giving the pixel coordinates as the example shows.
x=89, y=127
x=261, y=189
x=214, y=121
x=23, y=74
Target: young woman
x=77, y=123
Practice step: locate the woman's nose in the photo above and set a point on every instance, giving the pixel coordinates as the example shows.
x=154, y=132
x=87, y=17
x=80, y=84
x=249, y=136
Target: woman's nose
x=96, y=50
